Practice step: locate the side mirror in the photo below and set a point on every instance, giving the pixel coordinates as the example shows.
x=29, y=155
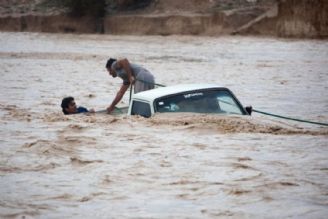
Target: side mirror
x=249, y=109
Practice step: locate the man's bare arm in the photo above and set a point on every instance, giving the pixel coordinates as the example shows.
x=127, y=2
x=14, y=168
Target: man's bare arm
x=118, y=97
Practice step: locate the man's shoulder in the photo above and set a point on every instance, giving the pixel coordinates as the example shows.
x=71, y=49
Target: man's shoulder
x=82, y=109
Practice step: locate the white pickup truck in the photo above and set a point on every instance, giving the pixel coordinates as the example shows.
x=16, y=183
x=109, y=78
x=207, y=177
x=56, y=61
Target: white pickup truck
x=194, y=98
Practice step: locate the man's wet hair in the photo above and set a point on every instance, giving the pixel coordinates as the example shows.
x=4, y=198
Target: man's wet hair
x=65, y=103
x=110, y=62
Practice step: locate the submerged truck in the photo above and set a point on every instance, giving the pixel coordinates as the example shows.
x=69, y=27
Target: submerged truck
x=191, y=98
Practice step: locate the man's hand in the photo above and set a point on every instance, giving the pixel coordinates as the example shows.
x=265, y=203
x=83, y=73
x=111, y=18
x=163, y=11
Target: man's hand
x=132, y=80
x=110, y=109
x=118, y=97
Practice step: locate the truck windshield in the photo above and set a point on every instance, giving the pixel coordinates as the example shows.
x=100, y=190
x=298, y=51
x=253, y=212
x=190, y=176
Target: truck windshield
x=203, y=101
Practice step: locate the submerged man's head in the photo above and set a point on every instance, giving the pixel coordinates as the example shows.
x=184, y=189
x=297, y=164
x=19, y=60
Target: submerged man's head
x=68, y=105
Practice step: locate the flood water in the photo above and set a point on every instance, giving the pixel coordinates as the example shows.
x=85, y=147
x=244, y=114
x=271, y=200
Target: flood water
x=168, y=166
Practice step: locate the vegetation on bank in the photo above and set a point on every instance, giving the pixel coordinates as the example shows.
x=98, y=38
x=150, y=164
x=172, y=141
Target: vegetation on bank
x=94, y=8
x=79, y=8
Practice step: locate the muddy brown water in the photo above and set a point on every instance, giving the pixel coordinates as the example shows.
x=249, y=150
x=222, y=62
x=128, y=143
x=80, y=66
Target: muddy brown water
x=168, y=166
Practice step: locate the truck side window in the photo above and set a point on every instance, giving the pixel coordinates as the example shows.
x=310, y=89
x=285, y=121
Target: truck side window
x=140, y=108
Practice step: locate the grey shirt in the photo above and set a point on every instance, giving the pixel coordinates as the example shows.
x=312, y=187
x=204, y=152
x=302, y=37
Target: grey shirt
x=136, y=70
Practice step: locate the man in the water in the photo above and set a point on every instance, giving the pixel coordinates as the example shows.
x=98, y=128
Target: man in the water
x=68, y=106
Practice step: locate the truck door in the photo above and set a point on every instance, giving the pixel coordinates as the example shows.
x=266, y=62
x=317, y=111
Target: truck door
x=140, y=108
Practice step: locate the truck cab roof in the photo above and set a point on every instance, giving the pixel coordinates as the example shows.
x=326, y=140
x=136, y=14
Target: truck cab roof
x=153, y=94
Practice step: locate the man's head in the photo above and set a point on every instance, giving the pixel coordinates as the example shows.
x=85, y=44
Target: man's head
x=68, y=105
x=109, y=67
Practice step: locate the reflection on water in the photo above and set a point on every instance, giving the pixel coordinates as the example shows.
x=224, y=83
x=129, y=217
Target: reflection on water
x=169, y=166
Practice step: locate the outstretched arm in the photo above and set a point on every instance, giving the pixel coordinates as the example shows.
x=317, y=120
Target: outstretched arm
x=118, y=97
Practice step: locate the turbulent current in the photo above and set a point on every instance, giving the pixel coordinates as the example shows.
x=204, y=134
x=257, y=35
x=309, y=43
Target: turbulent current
x=171, y=165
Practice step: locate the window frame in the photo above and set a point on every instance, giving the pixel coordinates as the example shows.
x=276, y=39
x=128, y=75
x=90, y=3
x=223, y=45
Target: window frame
x=242, y=109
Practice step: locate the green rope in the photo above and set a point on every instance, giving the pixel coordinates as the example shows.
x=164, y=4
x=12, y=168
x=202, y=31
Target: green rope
x=289, y=118
x=118, y=109
x=105, y=111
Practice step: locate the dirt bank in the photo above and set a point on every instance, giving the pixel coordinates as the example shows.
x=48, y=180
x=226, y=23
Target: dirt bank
x=167, y=24
x=291, y=18
x=50, y=24
x=285, y=18
x=303, y=18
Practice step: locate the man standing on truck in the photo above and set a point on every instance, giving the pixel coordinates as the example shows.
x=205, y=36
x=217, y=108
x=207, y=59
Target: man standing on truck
x=131, y=74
